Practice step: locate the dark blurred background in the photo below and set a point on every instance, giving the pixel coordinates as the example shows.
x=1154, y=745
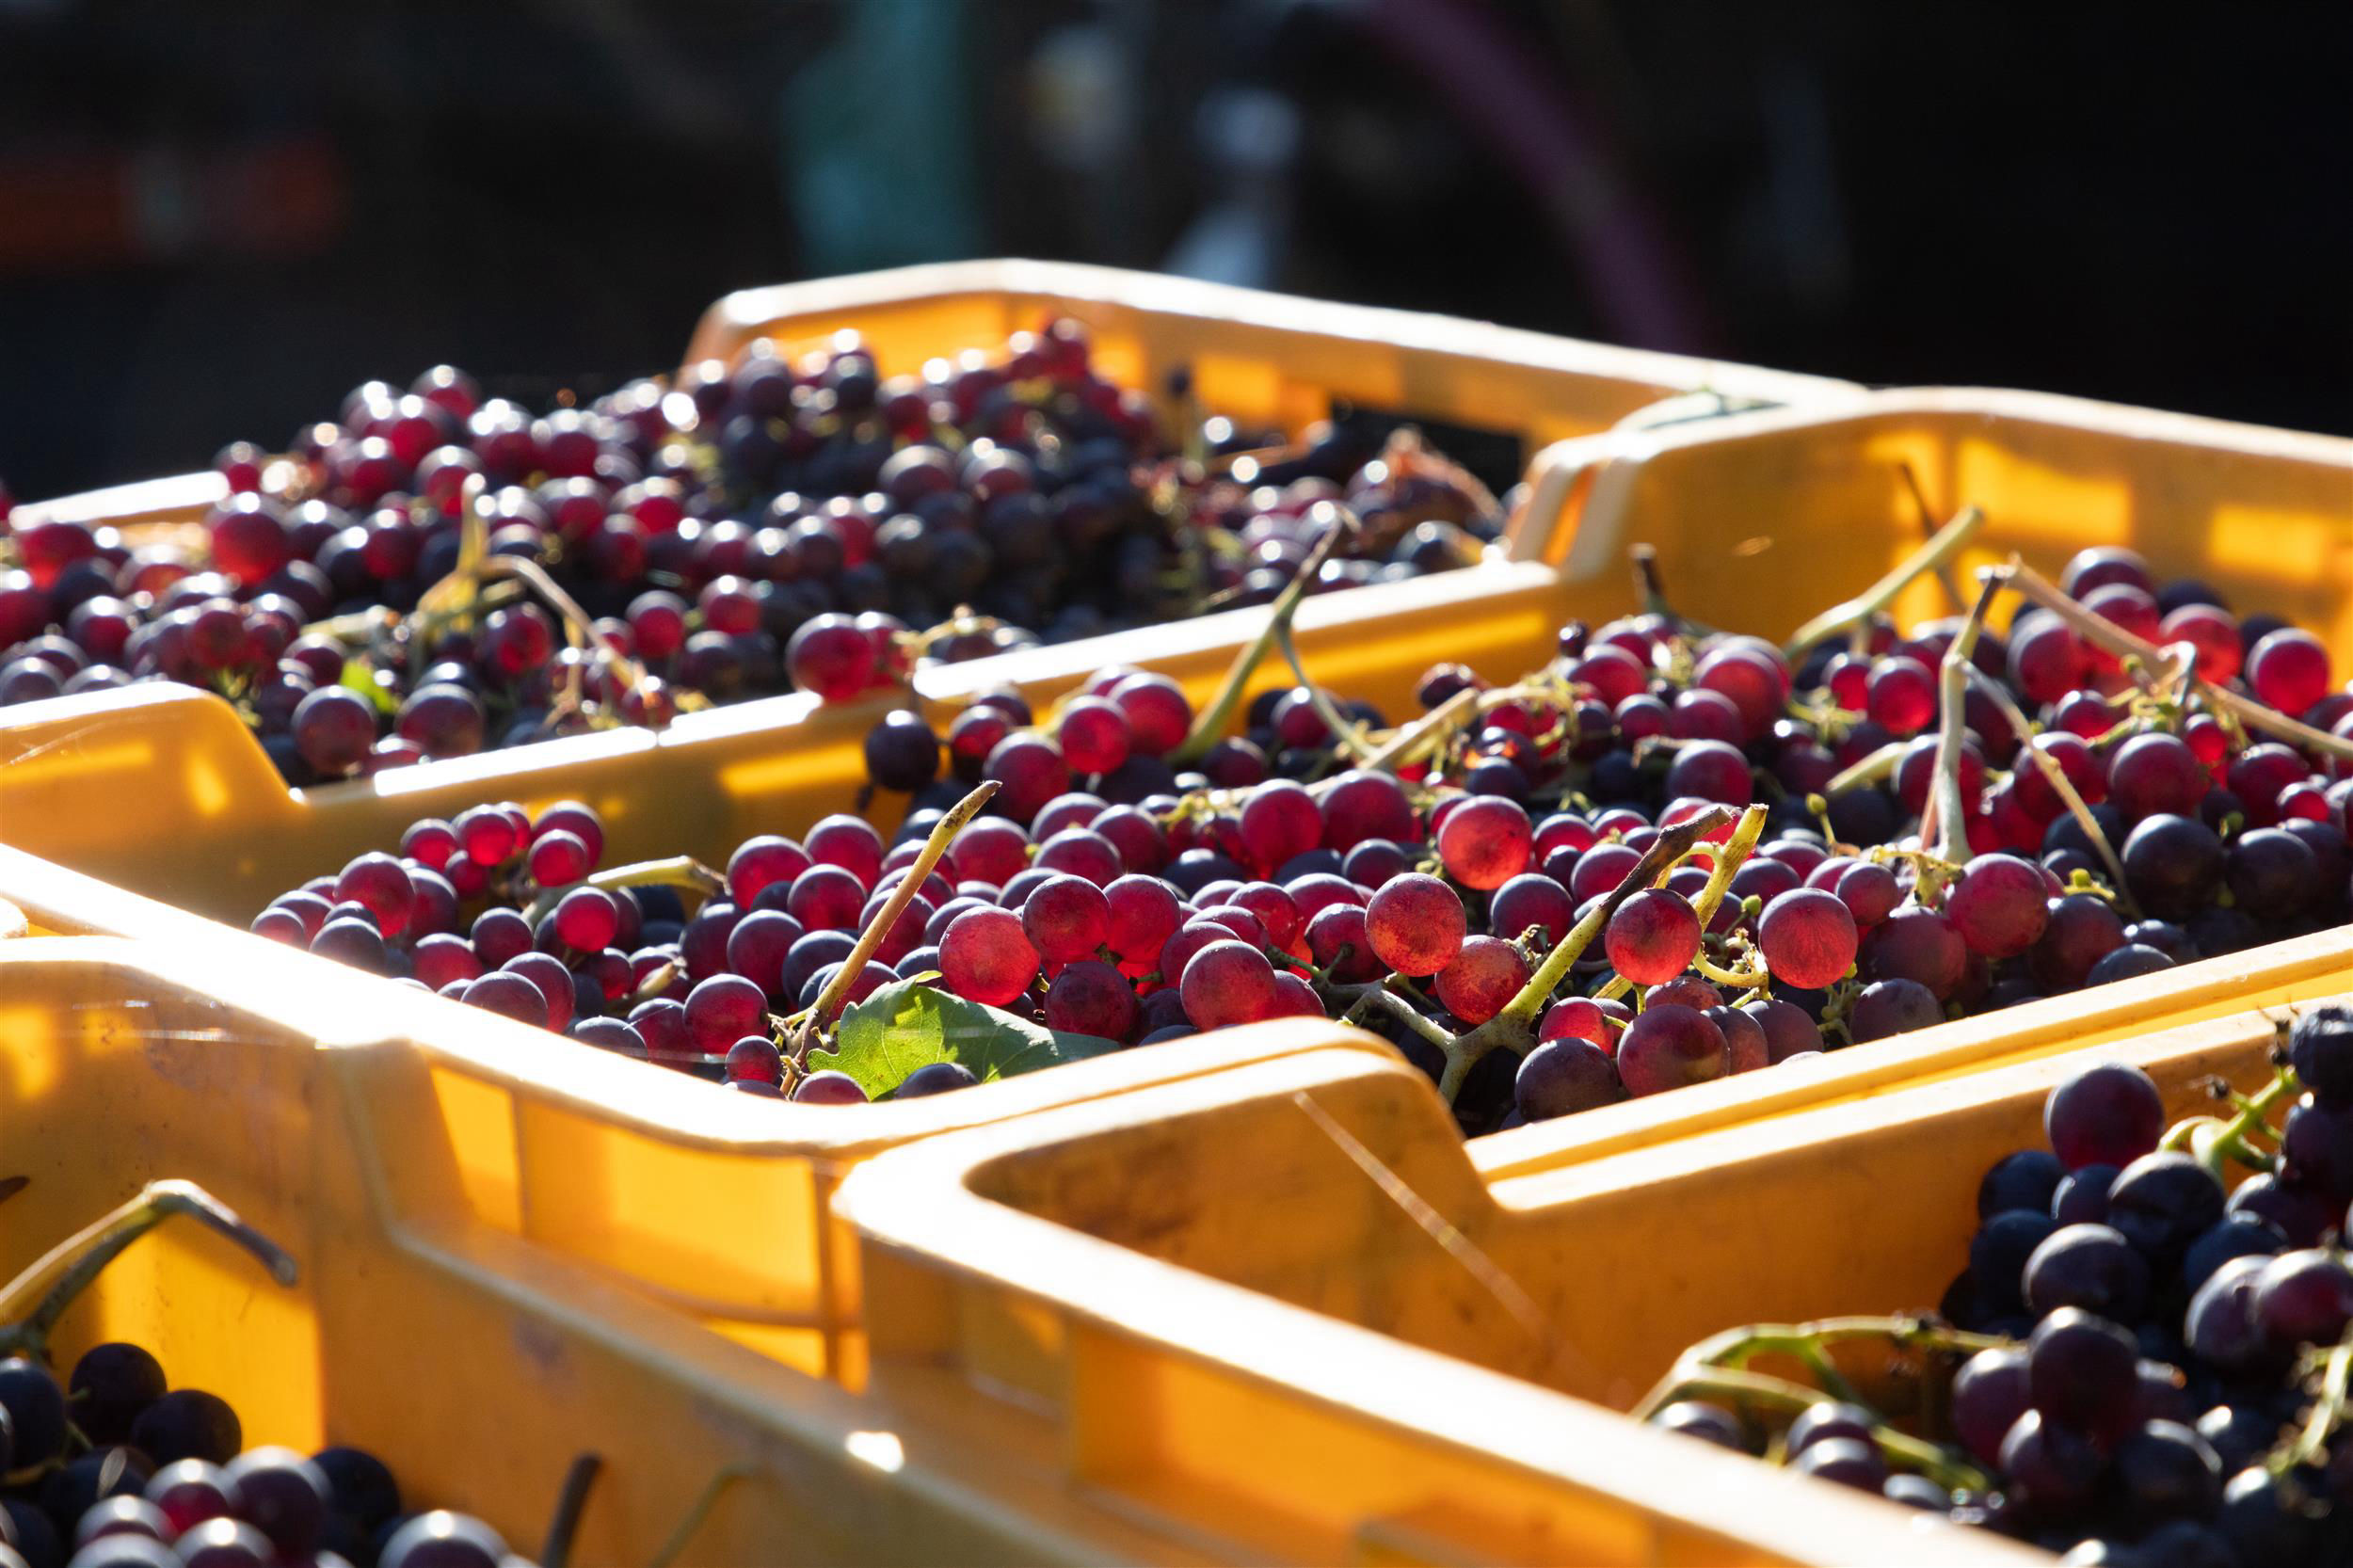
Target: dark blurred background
x=215, y=221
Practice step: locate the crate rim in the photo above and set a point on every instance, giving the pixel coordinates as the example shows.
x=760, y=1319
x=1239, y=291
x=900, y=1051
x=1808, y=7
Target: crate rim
x=1580, y=489
x=919, y=1202
x=736, y=318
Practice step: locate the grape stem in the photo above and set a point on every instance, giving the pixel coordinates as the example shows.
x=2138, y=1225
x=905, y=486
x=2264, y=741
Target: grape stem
x=1719, y=1365
x=1376, y=994
x=1729, y=859
x=678, y=870
x=2310, y=1446
x=1870, y=769
x=1514, y=1026
x=1939, y=1464
x=2116, y=640
x=829, y=1001
x=1347, y=735
x=2061, y=784
x=1750, y=978
x=1410, y=742
x=68, y=1268
x=1927, y=530
x=1212, y=721
x=1858, y=611
x=1951, y=801
x=2230, y=1142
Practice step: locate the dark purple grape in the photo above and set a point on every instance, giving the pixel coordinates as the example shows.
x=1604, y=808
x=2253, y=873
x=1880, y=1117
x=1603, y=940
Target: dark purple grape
x=2164, y=1202
x=2303, y=1297
x=902, y=753
x=36, y=1410
x=2220, y=1324
x=442, y=1540
x=1825, y=1421
x=2052, y=1465
x=2081, y=1371
x=2025, y=1179
x=2320, y=1047
x=1989, y=1393
x=2082, y=1196
x=2302, y=1214
x=2166, y=1471
x=1844, y=1460
x=2091, y=1267
x=1710, y=1423
x=188, y=1423
x=2260, y=1522
x=2173, y=864
x=1891, y=1007
x=2129, y=961
x=2232, y=1236
x=1998, y=1254
x=2107, y=1114
x=2318, y=1142
x=1561, y=1077
x=281, y=1493
x=110, y=1385
x=938, y=1078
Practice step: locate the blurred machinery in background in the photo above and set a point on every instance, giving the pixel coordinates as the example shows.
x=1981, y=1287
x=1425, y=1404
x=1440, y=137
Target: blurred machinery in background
x=212, y=223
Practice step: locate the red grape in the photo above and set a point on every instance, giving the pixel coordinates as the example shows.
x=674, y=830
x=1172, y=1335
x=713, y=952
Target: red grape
x=1808, y=937
x=1485, y=974
x=1484, y=843
x=1090, y=997
x=1416, y=924
x=986, y=956
x=1653, y=937
x=2289, y=669
x=1065, y=918
x=1094, y=735
x=1226, y=983
x=1669, y=1046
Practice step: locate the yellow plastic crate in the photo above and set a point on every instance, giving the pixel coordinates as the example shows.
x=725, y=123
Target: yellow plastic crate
x=162, y=790
x=1761, y=520
x=1258, y=358
x=208, y=827
x=1315, y=1335
x=1320, y=1333
x=715, y=1204
x=475, y=1360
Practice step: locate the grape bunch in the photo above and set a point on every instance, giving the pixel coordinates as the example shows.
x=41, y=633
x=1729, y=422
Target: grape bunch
x=435, y=572
x=115, y=1469
x=2116, y=835
x=1669, y=856
x=2145, y=1370
x=498, y=909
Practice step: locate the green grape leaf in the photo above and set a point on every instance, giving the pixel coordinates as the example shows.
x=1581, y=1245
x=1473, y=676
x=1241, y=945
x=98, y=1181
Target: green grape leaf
x=360, y=675
x=904, y=1026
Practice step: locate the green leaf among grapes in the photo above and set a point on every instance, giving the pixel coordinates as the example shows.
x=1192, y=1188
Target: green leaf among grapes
x=904, y=1026
x=360, y=675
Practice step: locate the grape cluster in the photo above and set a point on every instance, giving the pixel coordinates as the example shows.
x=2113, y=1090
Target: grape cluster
x=2195, y=838
x=495, y=909
x=1553, y=866
x=2167, y=1382
x=434, y=574
x=115, y=1469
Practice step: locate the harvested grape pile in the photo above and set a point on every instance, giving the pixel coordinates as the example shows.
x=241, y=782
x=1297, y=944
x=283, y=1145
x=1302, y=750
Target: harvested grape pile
x=111, y=1468
x=433, y=573
x=2138, y=1366
x=1670, y=855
